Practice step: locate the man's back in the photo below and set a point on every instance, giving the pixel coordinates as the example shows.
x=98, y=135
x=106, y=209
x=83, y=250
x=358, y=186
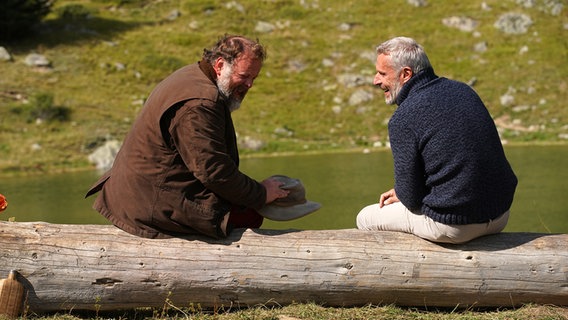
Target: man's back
x=449, y=161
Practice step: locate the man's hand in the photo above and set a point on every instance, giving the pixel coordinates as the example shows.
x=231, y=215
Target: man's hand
x=388, y=198
x=273, y=190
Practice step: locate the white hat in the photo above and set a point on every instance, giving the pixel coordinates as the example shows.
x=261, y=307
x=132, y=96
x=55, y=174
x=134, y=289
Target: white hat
x=291, y=207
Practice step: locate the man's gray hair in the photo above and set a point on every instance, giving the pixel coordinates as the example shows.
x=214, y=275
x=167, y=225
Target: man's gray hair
x=405, y=52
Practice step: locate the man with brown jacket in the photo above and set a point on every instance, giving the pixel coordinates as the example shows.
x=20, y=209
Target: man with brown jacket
x=177, y=172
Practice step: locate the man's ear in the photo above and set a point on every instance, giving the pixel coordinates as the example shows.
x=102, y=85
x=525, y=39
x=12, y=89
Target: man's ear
x=218, y=65
x=405, y=74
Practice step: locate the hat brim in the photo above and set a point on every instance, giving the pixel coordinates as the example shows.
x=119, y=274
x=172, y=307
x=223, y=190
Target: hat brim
x=278, y=213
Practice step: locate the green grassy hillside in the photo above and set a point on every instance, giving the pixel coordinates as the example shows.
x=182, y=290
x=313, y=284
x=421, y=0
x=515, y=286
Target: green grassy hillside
x=106, y=56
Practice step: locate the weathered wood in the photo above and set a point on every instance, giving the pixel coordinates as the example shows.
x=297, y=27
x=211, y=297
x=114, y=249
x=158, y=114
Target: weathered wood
x=101, y=267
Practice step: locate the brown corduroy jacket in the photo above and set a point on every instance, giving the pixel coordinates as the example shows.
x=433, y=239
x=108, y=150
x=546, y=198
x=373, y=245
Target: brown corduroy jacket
x=177, y=170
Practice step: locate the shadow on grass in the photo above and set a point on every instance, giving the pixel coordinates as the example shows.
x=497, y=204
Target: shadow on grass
x=65, y=31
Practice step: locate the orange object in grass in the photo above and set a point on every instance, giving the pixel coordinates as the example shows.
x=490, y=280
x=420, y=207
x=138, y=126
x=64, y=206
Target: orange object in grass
x=3, y=203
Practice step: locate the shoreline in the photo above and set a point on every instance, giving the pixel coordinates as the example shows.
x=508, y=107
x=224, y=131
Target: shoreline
x=253, y=155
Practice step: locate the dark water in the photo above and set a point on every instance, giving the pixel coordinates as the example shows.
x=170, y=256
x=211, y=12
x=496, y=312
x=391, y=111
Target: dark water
x=342, y=183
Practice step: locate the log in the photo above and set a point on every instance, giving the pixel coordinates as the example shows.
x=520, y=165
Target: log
x=99, y=267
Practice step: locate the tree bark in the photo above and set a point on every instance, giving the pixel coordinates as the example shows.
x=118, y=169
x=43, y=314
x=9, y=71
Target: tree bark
x=99, y=267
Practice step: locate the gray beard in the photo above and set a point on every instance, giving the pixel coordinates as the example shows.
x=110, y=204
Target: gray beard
x=223, y=83
x=234, y=105
x=395, y=91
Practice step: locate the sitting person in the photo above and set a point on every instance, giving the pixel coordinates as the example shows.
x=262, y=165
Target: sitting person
x=453, y=182
x=177, y=172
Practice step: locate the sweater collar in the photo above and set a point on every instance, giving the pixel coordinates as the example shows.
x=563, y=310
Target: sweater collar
x=415, y=82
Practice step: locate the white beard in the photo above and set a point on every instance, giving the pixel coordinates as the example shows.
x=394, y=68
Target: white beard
x=394, y=92
x=224, y=85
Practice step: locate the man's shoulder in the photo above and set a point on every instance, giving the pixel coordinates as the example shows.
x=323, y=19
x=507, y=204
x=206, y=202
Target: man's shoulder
x=441, y=89
x=443, y=83
x=189, y=82
x=451, y=86
x=191, y=75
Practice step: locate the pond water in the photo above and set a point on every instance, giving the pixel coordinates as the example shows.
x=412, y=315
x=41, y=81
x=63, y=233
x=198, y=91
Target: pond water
x=343, y=183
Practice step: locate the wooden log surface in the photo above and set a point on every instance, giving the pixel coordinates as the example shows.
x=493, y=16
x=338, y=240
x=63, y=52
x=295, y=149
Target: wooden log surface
x=99, y=267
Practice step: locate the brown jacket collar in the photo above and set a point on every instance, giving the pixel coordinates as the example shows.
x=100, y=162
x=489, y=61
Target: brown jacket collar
x=208, y=70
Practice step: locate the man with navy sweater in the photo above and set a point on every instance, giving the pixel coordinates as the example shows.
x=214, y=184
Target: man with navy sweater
x=453, y=182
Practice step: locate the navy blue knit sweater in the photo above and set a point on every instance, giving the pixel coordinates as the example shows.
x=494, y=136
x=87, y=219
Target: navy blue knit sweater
x=449, y=161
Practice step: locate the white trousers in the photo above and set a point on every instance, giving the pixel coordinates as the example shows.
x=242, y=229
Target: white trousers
x=396, y=217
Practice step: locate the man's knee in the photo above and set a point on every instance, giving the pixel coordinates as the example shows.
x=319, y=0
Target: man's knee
x=365, y=217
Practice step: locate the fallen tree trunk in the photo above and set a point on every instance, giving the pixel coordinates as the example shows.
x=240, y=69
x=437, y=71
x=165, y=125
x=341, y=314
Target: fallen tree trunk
x=99, y=267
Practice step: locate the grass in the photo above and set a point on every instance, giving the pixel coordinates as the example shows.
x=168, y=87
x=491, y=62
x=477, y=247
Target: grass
x=314, y=311
x=107, y=55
